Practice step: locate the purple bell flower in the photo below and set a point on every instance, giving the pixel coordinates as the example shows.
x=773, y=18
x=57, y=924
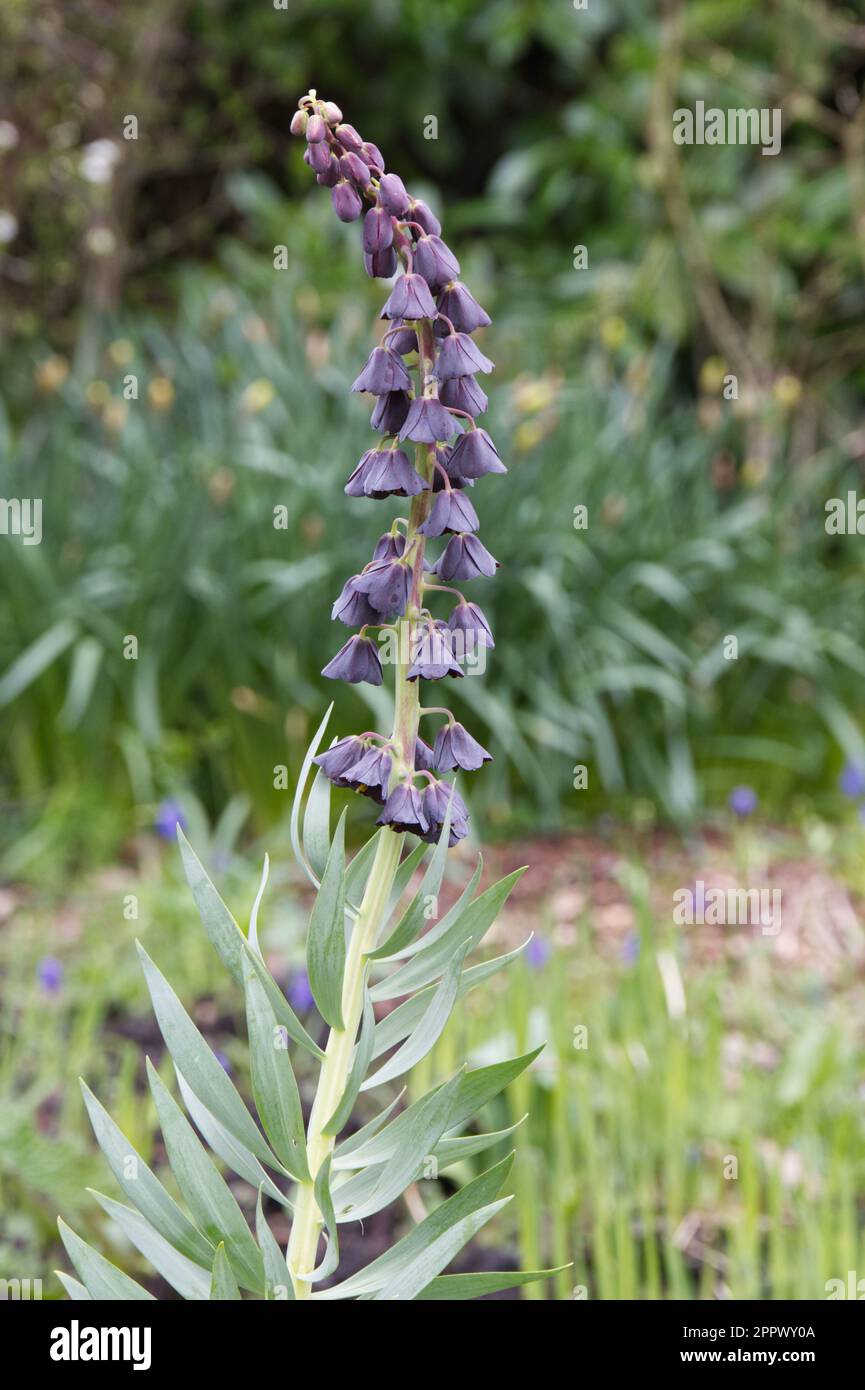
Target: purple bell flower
x=357, y=661
x=49, y=973
x=443, y=459
x=436, y=799
x=372, y=155
x=404, y=810
x=404, y=342
x=390, y=412
x=346, y=201
x=387, y=583
x=168, y=817
x=428, y=421
x=370, y=775
x=455, y=747
x=432, y=655
x=352, y=607
x=352, y=167
x=410, y=299
x=384, y=371
x=419, y=212
x=459, y=305
x=463, y=393
x=450, y=511
x=342, y=755
x=465, y=557
x=389, y=546
x=381, y=265
x=435, y=261
x=319, y=158
x=468, y=617
x=458, y=356
x=330, y=175
x=385, y=473
x=475, y=454
x=316, y=130
x=348, y=137
x=392, y=195
x=424, y=760
x=377, y=230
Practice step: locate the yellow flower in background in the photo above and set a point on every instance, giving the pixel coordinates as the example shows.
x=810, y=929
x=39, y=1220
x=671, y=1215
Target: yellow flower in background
x=787, y=390
x=114, y=415
x=121, y=352
x=257, y=396
x=755, y=471
x=528, y=435
x=52, y=373
x=160, y=393
x=532, y=394
x=613, y=331
x=712, y=374
x=98, y=394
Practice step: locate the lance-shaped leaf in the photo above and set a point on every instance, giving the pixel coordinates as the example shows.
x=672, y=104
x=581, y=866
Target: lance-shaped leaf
x=325, y=942
x=104, y=1281
x=456, y=1150
x=204, y=1189
x=252, y=937
x=316, y=824
x=428, y=1030
x=189, y=1279
x=429, y=1119
x=232, y=946
x=368, y=1131
x=403, y=877
x=76, y=1291
x=202, y=1070
x=444, y=924
x=294, y=823
x=431, y=1261
x=223, y=1285
x=142, y=1186
x=414, y=917
x=470, y=926
x=358, y=871
x=324, y=1201
x=226, y=1147
x=476, y=1194
x=277, y=1284
x=360, y=1062
x=274, y=1088
x=458, y=1287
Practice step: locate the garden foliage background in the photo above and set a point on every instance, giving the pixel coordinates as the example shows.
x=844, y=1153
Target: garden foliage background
x=153, y=257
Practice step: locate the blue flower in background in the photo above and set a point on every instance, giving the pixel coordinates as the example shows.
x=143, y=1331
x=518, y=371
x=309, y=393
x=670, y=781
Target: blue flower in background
x=743, y=800
x=49, y=973
x=630, y=948
x=299, y=992
x=538, y=952
x=222, y=1060
x=852, y=781
x=168, y=817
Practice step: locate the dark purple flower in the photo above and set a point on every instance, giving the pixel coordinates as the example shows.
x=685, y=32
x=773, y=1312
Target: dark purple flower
x=339, y=757
x=49, y=973
x=459, y=355
x=419, y=212
x=455, y=747
x=409, y=299
x=465, y=557
x=372, y=154
x=353, y=608
x=370, y=775
x=388, y=584
x=475, y=454
x=381, y=265
x=385, y=473
x=390, y=412
x=352, y=167
x=852, y=781
x=168, y=817
x=428, y=421
x=432, y=654
x=348, y=137
x=403, y=342
x=389, y=546
x=357, y=661
x=463, y=393
x=299, y=993
x=443, y=459
x=423, y=756
x=450, y=511
x=377, y=230
x=404, y=810
x=329, y=177
x=319, y=158
x=538, y=952
x=316, y=129
x=436, y=799
x=346, y=201
x=384, y=371
x=468, y=617
x=434, y=260
x=392, y=195
x=743, y=800
x=460, y=306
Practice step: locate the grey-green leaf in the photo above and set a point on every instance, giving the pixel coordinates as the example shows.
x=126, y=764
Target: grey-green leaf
x=439, y=1253
x=457, y=1287
x=325, y=943
x=430, y=1027
x=225, y=1146
x=189, y=1279
x=316, y=824
x=298, y=797
x=274, y=1088
x=362, y=1059
x=223, y=1285
x=277, y=1284
x=104, y=1281
x=414, y=917
x=76, y=1291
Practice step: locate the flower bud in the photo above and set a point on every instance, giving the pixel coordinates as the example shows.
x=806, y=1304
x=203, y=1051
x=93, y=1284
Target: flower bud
x=298, y=123
x=353, y=167
x=330, y=177
x=404, y=342
x=316, y=130
x=331, y=112
x=435, y=261
x=318, y=156
x=372, y=154
x=390, y=412
x=420, y=213
x=377, y=230
x=381, y=265
x=346, y=202
x=393, y=196
x=349, y=138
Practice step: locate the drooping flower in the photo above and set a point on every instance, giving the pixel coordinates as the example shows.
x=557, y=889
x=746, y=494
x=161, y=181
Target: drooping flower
x=346, y=201
x=385, y=473
x=423, y=756
x=436, y=799
x=459, y=355
x=377, y=230
x=464, y=393
x=381, y=265
x=469, y=618
x=404, y=810
x=475, y=454
x=465, y=557
x=387, y=583
x=455, y=747
x=384, y=371
x=341, y=755
x=370, y=775
x=460, y=306
x=419, y=212
x=353, y=607
x=435, y=261
x=450, y=511
x=432, y=654
x=389, y=546
x=403, y=342
x=393, y=196
x=357, y=661
x=409, y=299
x=390, y=412
x=428, y=422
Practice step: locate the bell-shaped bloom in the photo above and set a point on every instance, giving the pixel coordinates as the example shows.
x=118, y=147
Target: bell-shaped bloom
x=390, y=412
x=385, y=473
x=432, y=654
x=419, y=212
x=428, y=421
x=372, y=155
x=464, y=557
x=370, y=774
x=392, y=195
x=352, y=607
x=353, y=168
x=455, y=747
x=319, y=157
x=409, y=299
x=423, y=756
x=446, y=471
x=339, y=757
x=403, y=342
x=437, y=797
x=346, y=201
x=384, y=370
x=389, y=546
x=435, y=261
x=348, y=137
x=387, y=584
x=450, y=511
x=381, y=265
x=330, y=176
x=475, y=454
x=377, y=230
x=470, y=619
x=357, y=661
x=459, y=355
x=316, y=129
x=461, y=307
x=463, y=393
x=404, y=810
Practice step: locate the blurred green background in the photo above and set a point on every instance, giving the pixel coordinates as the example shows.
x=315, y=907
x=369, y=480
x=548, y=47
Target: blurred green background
x=165, y=388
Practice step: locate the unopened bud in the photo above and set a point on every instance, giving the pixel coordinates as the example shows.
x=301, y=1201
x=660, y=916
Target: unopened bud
x=353, y=167
x=393, y=196
x=349, y=138
x=331, y=113
x=372, y=154
x=319, y=156
x=346, y=202
x=315, y=129
x=298, y=123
